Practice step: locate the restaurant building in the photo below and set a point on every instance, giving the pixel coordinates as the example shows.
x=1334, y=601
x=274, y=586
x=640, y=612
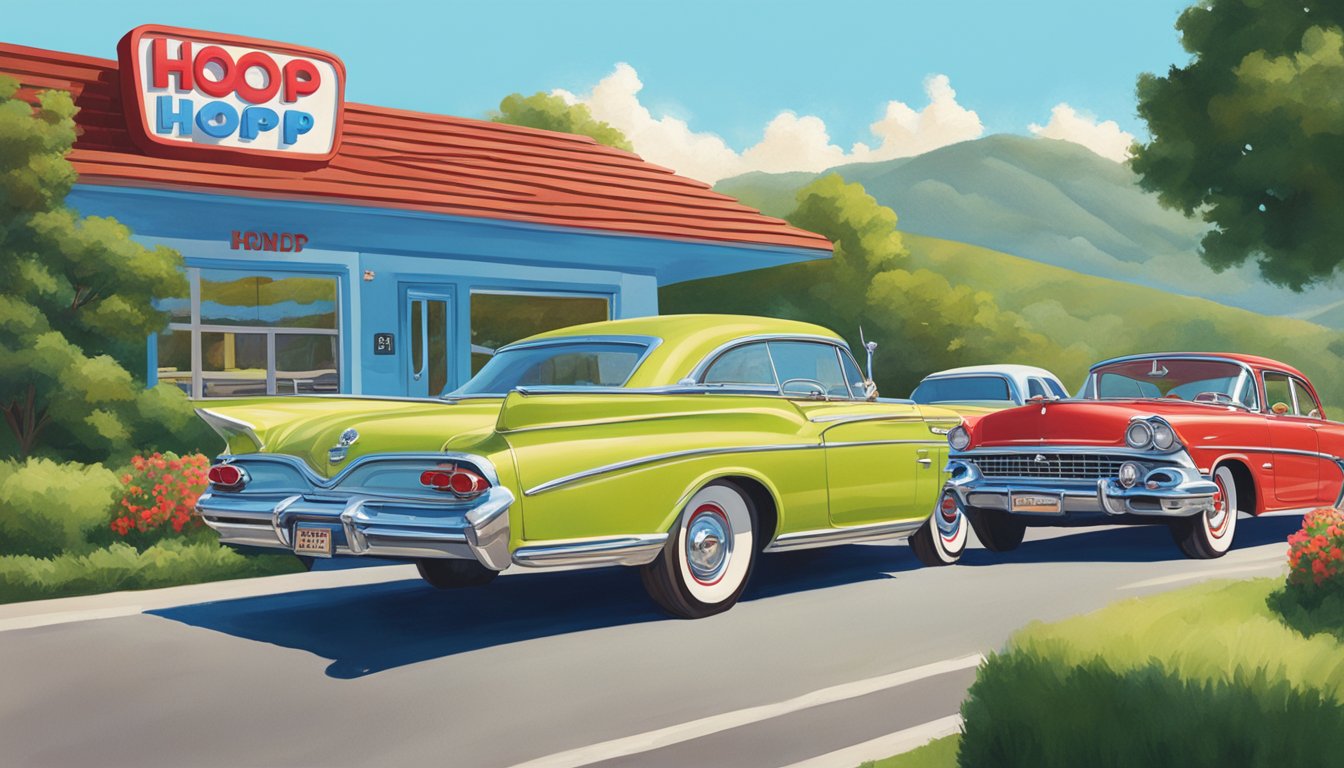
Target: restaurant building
x=339, y=247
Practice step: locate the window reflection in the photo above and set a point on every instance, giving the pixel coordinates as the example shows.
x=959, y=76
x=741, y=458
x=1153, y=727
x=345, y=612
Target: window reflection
x=253, y=333
x=500, y=318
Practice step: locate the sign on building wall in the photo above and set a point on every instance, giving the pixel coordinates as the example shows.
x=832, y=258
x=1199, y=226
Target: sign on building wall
x=229, y=97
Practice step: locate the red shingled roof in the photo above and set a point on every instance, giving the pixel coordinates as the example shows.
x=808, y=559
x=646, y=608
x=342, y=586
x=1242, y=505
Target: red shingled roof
x=411, y=160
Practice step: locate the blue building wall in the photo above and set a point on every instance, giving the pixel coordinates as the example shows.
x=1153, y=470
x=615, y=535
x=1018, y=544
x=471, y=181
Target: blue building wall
x=403, y=251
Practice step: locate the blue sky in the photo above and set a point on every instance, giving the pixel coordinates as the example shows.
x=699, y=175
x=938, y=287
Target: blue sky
x=724, y=67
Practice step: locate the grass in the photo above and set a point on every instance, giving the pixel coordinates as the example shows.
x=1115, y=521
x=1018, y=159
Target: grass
x=1221, y=673
x=1217, y=631
x=120, y=566
x=939, y=753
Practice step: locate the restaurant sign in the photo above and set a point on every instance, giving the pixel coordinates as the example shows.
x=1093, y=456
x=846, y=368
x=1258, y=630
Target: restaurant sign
x=198, y=94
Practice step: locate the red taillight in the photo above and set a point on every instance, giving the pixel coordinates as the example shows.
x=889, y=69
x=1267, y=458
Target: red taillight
x=226, y=476
x=462, y=483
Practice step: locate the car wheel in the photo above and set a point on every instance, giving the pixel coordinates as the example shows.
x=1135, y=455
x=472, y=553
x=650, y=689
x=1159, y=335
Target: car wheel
x=1209, y=535
x=997, y=531
x=454, y=574
x=708, y=558
x=942, y=538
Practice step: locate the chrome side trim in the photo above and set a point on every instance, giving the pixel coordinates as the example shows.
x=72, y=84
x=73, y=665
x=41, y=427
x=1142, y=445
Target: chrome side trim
x=846, y=418
x=587, y=474
x=827, y=537
x=1263, y=449
x=226, y=427
x=636, y=549
x=885, y=442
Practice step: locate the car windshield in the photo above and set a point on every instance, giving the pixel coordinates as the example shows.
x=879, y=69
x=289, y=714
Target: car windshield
x=557, y=364
x=963, y=389
x=1195, y=380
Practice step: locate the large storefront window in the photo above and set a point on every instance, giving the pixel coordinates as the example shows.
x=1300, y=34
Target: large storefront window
x=246, y=333
x=498, y=318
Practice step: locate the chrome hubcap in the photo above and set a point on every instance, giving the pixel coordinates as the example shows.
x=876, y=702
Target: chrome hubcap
x=709, y=544
x=1218, y=512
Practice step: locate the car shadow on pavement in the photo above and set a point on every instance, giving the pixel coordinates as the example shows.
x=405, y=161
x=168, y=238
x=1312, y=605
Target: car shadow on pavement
x=1129, y=544
x=370, y=628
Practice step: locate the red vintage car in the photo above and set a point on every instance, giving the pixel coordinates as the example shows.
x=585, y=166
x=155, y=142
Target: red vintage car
x=1188, y=440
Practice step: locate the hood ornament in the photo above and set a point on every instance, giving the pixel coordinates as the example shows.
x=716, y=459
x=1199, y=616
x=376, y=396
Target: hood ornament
x=338, y=452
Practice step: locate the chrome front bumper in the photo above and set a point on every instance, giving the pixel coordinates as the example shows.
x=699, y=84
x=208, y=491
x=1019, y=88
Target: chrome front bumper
x=1183, y=492
x=368, y=525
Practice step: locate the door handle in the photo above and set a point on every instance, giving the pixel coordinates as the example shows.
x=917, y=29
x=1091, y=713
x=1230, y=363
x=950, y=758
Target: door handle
x=924, y=462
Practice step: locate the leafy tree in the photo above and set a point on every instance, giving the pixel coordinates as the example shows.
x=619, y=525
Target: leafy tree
x=552, y=113
x=75, y=297
x=922, y=322
x=1251, y=134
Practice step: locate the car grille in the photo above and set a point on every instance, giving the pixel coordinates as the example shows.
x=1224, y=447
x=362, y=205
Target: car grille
x=1064, y=466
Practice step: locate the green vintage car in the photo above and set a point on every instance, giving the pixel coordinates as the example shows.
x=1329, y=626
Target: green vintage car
x=684, y=444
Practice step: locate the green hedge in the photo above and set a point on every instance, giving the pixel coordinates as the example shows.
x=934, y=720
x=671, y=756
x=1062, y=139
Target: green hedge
x=1212, y=675
x=121, y=566
x=1034, y=711
x=48, y=508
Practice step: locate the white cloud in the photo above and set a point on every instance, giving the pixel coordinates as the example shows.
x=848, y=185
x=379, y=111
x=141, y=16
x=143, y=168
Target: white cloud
x=905, y=132
x=789, y=142
x=1068, y=124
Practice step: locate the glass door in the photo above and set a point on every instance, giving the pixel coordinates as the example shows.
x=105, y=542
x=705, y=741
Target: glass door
x=429, y=319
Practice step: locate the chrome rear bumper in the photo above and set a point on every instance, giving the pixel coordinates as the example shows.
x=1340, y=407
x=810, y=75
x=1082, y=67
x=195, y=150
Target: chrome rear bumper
x=1189, y=494
x=368, y=525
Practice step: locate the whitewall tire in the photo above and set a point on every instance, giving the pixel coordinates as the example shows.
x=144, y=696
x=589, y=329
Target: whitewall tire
x=1209, y=535
x=709, y=555
x=942, y=538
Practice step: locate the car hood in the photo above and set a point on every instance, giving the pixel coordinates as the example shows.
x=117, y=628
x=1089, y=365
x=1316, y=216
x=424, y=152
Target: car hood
x=308, y=427
x=1082, y=422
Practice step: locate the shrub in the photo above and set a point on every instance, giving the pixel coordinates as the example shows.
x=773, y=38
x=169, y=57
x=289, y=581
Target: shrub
x=1034, y=709
x=121, y=566
x=48, y=507
x=1316, y=554
x=160, y=493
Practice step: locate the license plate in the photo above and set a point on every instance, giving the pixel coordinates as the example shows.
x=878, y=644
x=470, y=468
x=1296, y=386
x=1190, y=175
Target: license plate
x=312, y=541
x=1037, y=503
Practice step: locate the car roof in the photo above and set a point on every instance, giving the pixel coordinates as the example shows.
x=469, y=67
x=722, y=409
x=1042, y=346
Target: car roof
x=685, y=340
x=1255, y=361
x=1008, y=369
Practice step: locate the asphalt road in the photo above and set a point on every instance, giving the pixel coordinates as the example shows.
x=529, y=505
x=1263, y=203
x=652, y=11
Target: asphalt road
x=559, y=668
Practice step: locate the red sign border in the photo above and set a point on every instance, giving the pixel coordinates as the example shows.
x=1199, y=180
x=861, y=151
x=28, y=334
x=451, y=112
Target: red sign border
x=133, y=98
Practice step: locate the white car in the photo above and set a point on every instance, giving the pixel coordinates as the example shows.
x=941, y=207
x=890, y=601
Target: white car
x=993, y=386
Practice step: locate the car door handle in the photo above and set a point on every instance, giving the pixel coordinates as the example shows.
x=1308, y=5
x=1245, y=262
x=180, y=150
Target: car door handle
x=924, y=462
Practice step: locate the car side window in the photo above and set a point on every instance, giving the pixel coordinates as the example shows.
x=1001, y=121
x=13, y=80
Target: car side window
x=1247, y=395
x=747, y=364
x=1306, y=402
x=1057, y=388
x=853, y=376
x=805, y=367
x=1035, y=389
x=1279, y=395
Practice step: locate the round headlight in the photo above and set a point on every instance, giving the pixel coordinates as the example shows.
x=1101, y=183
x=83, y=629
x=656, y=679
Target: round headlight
x=1129, y=474
x=958, y=438
x=1163, y=435
x=1139, y=434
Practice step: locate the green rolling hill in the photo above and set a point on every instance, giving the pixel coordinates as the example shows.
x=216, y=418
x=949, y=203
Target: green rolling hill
x=1087, y=318
x=1055, y=203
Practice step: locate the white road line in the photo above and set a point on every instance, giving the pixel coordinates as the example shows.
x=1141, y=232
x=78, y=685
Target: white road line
x=1265, y=566
x=883, y=747
x=66, y=617
x=695, y=729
